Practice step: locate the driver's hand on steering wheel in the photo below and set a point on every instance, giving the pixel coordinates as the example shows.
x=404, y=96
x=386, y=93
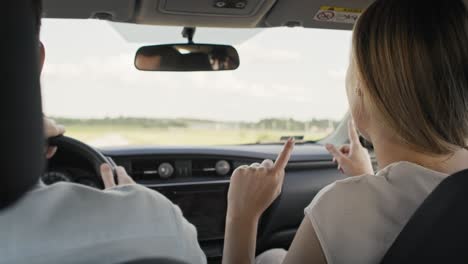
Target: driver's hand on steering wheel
x=52, y=129
x=108, y=176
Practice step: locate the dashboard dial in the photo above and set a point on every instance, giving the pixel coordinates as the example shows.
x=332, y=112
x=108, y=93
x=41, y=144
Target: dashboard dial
x=165, y=170
x=52, y=177
x=222, y=167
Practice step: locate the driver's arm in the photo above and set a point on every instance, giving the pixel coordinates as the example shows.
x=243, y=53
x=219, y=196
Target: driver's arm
x=52, y=129
x=186, y=232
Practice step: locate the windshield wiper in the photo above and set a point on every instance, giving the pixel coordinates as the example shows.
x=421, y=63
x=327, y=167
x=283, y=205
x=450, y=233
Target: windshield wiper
x=296, y=138
x=299, y=140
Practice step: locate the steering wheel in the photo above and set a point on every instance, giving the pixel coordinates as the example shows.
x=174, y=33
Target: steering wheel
x=92, y=155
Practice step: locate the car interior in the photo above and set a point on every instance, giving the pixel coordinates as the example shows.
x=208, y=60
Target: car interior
x=197, y=178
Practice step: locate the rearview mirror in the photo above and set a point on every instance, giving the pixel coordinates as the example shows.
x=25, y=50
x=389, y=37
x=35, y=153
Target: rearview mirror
x=187, y=57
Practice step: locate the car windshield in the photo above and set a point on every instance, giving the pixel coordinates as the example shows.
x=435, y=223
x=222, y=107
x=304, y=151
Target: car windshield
x=291, y=82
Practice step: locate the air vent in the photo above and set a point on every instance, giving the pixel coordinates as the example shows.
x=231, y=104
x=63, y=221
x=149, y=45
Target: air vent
x=211, y=167
x=204, y=167
x=150, y=170
x=144, y=169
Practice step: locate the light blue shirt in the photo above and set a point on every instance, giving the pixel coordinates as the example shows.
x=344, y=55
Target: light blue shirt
x=71, y=223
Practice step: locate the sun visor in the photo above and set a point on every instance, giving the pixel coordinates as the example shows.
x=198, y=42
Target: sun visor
x=327, y=14
x=203, y=13
x=113, y=10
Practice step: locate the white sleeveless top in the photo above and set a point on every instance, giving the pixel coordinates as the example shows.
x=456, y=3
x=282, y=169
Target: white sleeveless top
x=358, y=219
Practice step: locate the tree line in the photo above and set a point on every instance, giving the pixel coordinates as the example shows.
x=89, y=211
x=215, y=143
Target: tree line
x=265, y=124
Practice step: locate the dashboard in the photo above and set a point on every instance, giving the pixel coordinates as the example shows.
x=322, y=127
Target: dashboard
x=197, y=180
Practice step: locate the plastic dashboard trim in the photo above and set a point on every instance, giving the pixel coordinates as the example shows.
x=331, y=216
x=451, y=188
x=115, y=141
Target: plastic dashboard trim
x=292, y=166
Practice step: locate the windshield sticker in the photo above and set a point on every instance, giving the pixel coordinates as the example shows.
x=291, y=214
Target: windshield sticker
x=338, y=14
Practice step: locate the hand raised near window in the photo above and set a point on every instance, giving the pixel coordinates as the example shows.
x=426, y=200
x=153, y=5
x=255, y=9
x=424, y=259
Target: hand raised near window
x=353, y=159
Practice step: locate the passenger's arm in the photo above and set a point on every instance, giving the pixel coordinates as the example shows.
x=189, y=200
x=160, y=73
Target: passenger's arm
x=306, y=247
x=240, y=247
x=353, y=159
x=240, y=240
x=252, y=189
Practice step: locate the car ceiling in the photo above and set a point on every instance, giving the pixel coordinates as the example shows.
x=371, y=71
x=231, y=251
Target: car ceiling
x=203, y=13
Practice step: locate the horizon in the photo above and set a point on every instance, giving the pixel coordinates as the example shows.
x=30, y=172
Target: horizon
x=191, y=119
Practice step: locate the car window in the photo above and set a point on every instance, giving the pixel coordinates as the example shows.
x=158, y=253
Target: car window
x=290, y=82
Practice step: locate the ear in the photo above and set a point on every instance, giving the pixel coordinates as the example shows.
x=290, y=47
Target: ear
x=41, y=56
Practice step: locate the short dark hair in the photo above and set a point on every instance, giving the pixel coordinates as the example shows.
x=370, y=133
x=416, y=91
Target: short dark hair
x=37, y=11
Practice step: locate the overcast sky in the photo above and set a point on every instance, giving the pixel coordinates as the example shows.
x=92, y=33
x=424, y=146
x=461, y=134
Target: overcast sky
x=284, y=73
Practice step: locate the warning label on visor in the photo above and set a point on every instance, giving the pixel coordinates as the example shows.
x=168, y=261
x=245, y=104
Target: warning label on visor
x=337, y=14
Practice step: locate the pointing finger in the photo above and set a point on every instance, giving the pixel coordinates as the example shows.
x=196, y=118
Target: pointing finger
x=284, y=156
x=337, y=155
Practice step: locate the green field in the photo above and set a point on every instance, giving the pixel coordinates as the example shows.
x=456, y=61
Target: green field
x=107, y=135
x=124, y=131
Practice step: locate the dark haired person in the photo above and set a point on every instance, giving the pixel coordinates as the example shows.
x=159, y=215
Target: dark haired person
x=407, y=88
x=59, y=223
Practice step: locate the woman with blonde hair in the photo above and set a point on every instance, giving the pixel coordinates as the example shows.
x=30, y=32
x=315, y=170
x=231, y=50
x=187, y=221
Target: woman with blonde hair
x=407, y=87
